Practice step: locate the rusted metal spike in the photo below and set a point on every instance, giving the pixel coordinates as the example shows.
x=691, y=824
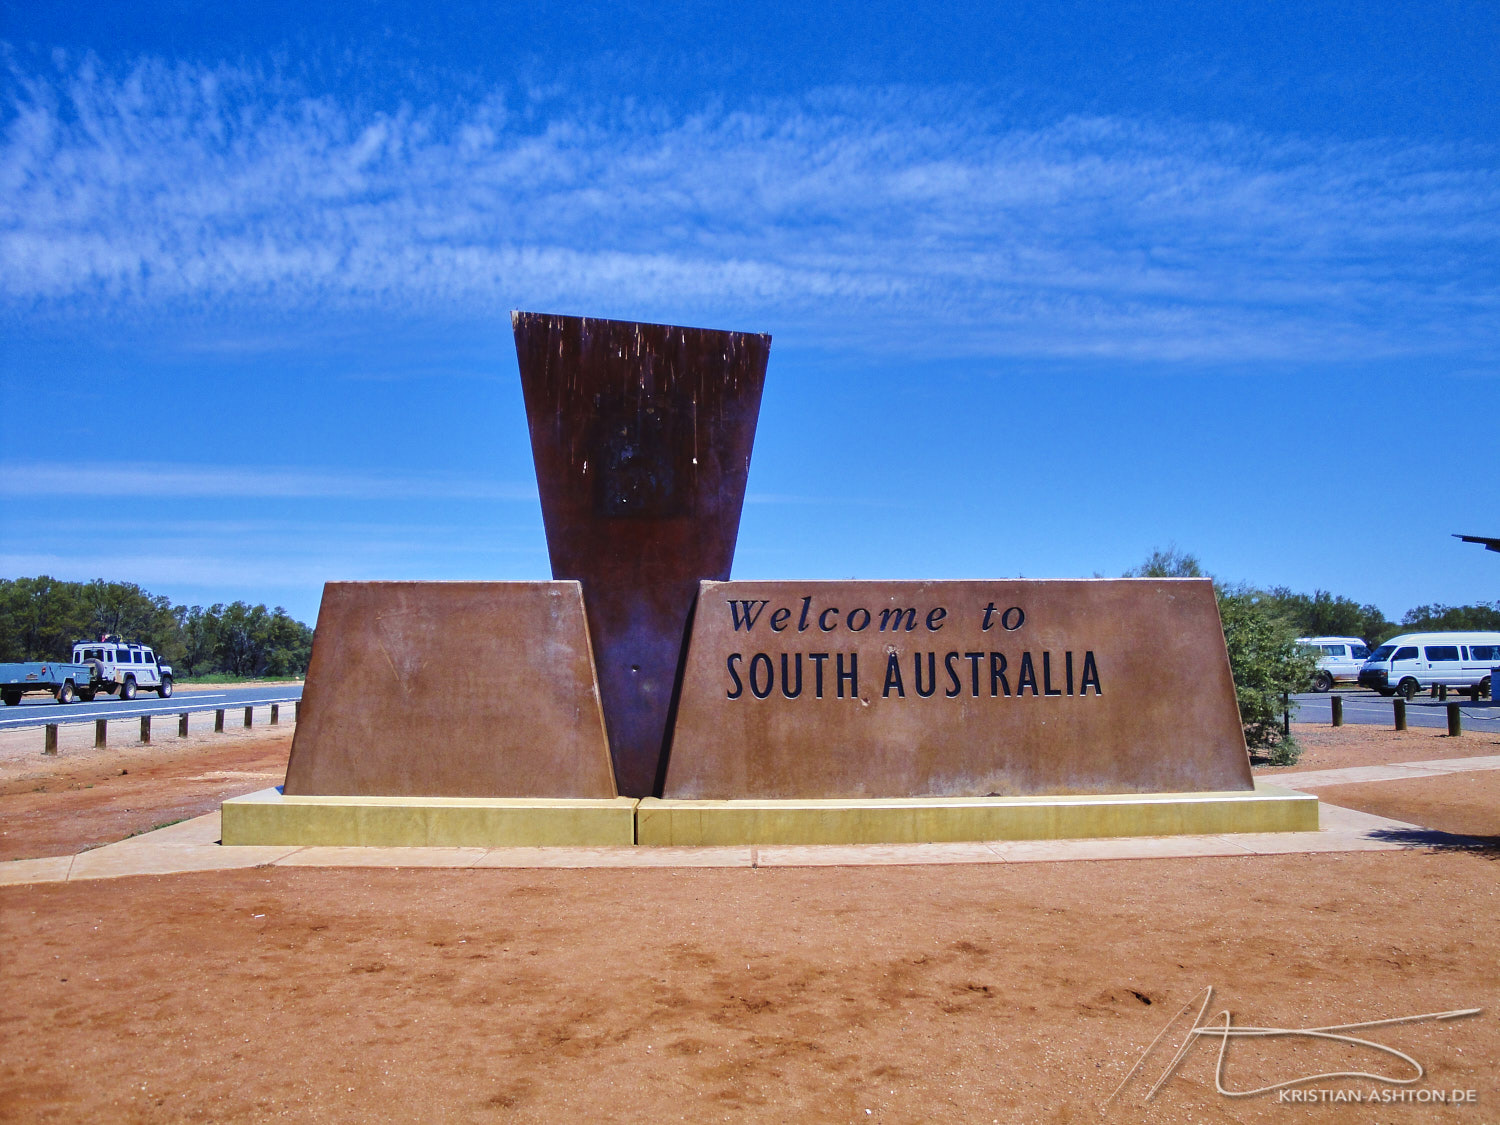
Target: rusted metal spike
x=641, y=435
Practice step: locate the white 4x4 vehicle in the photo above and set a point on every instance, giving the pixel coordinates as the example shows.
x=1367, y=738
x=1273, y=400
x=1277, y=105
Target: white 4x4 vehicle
x=122, y=667
x=1339, y=659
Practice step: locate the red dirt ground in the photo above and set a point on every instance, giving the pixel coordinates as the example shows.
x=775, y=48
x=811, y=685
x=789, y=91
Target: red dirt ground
x=81, y=800
x=1014, y=993
x=983, y=993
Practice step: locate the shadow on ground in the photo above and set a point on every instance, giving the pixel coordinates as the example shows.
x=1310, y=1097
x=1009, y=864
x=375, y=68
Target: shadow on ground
x=1440, y=841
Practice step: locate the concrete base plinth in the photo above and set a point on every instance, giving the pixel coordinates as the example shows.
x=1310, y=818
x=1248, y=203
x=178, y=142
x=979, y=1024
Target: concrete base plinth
x=952, y=819
x=271, y=817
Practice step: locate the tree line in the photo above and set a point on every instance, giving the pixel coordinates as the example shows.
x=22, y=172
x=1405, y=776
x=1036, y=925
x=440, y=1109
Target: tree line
x=1322, y=614
x=40, y=618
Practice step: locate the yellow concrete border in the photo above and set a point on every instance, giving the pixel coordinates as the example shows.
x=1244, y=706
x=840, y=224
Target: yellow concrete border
x=922, y=820
x=270, y=817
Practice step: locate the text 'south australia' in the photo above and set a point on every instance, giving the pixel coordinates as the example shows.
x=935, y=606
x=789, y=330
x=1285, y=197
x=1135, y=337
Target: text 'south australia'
x=821, y=668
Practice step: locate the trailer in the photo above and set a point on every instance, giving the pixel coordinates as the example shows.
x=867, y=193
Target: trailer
x=64, y=682
x=100, y=667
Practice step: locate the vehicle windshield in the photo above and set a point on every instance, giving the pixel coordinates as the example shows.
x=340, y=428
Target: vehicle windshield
x=1383, y=652
x=1361, y=652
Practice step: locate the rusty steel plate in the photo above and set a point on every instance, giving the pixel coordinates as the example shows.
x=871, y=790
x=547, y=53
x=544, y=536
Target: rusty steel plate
x=956, y=689
x=450, y=689
x=641, y=434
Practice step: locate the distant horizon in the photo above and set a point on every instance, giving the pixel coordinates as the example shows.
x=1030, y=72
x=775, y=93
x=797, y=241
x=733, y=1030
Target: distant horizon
x=311, y=618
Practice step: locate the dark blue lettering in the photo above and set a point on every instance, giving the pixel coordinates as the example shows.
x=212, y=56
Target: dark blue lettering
x=755, y=688
x=745, y=615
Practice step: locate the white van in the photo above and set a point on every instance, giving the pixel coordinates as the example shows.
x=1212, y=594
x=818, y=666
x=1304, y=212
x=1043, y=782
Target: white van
x=1414, y=661
x=1339, y=659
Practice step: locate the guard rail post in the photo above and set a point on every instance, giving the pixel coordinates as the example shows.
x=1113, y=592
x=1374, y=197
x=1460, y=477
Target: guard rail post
x=1455, y=721
x=1400, y=707
x=1337, y=706
x=275, y=713
x=1442, y=692
x=297, y=712
x=219, y=721
x=146, y=729
x=50, y=746
x=248, y=712
x=182, y=725
x=101, y=733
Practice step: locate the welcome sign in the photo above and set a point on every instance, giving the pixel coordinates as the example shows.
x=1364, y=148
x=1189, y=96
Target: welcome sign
x=955, y=689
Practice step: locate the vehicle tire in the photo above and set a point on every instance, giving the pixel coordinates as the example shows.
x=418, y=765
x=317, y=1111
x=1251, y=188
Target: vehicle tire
x=1408, y=688
x=65, y=692
x=86, y=694
x=127, y=689
x=165, y=691
x=1483, y=688
x=1322, y=682
x=11, y=698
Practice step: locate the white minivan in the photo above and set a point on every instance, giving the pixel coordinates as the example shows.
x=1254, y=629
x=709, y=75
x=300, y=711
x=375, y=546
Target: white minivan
x=1414, y=661
x=1339, y=659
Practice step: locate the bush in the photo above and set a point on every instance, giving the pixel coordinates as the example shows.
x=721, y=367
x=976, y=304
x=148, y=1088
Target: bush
x=1264, y=656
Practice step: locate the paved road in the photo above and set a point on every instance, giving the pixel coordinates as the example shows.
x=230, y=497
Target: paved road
x=36, y=710
x=1365, y=708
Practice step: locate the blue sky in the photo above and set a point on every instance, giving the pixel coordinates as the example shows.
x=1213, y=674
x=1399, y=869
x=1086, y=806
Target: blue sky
x=1050, y=285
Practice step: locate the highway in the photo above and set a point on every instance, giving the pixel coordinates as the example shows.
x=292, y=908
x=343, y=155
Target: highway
x=37, y=710
x=1365, y=708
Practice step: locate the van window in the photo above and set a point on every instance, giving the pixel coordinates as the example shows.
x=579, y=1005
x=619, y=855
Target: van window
x=1406, y=652
x=1361, y=652
x=1383, y=652
x=1486, y=652
x=1334, y=650
x=1442, y=652
x=147, y=656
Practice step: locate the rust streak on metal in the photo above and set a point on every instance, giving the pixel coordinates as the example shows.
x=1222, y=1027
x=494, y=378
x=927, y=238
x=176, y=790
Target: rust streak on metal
x=641, y=434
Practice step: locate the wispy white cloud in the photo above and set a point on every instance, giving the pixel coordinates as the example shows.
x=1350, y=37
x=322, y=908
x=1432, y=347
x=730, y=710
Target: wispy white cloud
x=850, y=215
x=25, y=480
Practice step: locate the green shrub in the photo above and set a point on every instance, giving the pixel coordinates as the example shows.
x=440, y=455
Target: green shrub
x=1264, y=656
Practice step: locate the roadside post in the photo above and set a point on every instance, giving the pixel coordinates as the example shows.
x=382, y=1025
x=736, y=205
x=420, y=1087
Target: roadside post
x=275, y=713
x=248, y=712
x=1337, y=703
x=182, y=725
x=101, y=735
x=219, y=721
x=50, y=746
x=1399, y=705
x=1455, y=721
x=146, y=729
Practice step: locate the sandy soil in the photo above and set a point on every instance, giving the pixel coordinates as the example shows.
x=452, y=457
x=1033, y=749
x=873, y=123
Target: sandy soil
x=1326, y=747
x=1014, y=993
x=993, y=993
x=1466, y=803
x=84, y=797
